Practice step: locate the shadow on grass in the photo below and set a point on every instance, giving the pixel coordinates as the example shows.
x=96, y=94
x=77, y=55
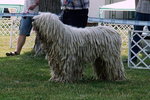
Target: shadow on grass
x=30, y=68
x=26, y=67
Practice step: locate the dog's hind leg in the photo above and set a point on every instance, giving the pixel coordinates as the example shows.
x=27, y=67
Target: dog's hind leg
x=111, y=69
x=99, y=69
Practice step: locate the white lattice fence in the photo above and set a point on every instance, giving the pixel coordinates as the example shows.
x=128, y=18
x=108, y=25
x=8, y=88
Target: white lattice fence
x=5, y=26
x=9, y=27
x=139, y=50
x=143, y=55
x=123, y=30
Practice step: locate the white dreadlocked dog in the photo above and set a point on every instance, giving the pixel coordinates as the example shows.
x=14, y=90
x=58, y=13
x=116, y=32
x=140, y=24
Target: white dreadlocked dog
x=70, y=48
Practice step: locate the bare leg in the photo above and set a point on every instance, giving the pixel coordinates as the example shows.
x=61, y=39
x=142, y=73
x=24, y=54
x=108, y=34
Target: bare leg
x=20, y=42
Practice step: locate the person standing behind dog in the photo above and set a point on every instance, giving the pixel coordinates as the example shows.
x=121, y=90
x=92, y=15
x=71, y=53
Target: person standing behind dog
x=75, y=12
x=142, y=14
x=30, y=6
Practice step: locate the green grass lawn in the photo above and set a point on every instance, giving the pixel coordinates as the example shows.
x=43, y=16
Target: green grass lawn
x=26, y=77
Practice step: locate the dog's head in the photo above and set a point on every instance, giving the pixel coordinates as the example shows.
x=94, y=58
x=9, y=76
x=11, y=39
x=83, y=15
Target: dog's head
x=43, y=20
x=44, y=24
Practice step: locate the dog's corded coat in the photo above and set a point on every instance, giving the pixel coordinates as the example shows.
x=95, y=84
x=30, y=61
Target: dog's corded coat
x=69, y=48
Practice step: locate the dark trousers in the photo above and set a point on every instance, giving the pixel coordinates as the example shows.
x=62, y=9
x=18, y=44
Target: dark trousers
x=136, y=38
x=76, y=18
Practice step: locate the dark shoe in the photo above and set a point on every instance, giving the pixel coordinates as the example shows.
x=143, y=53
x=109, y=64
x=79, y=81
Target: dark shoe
x=12, y=54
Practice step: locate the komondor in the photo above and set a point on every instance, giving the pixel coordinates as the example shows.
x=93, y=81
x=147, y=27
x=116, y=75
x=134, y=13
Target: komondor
x=70, y=48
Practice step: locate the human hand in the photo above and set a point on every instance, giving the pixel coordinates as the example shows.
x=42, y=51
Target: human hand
x=32, y=7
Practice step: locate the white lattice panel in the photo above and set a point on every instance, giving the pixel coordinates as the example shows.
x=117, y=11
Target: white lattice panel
x=141, y=59
x=123, y=30
x=10, y=27
x=5, y=26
